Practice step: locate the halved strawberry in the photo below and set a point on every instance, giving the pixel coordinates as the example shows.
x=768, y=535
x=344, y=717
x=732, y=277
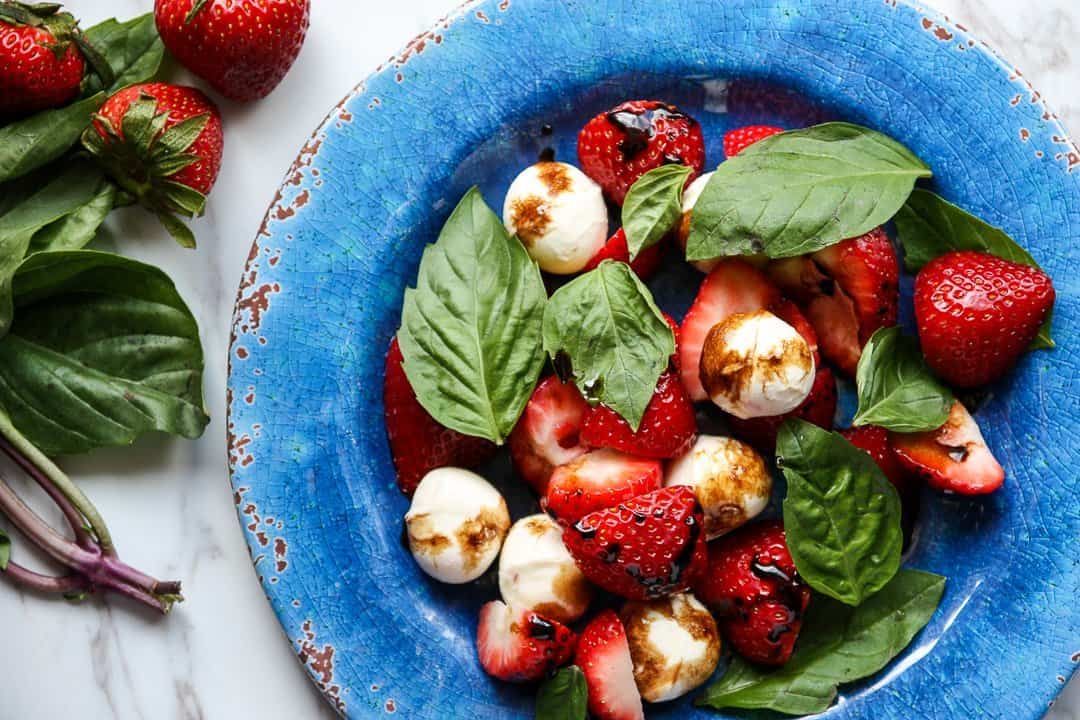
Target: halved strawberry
x=737, y=140
x=418, y=443
x=645, y=264
x=603, y=654
x=548, y=433
x=523, y=646
x=847, y=291
x=734, y=286
x=597, y=480
x=818, y=408
x=643, y=548
x=953, y=458
x=667, y=428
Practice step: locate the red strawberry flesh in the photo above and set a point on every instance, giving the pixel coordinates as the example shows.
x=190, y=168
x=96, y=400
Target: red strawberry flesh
x=521, y=647
x=597, y=480
x=953, y=458
x=737, y=140
x=645, y=264
x=548, y=433
x=667, y=428
x=603, y=654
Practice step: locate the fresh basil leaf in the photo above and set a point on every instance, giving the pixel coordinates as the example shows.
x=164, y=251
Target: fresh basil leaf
x=39, y=139
x=470, y=331
x=802, y=190
x=133, y=50
x=838, y=644
x=607, y=325
x=5, y=550
x=653, y=206
x=928, y=226
x=102, y=350
x=841, y=515
x=563, y=697
x=71, y=190
x=896, y=389
x=77, y=229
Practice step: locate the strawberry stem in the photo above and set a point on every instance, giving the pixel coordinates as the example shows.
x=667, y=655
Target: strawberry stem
x=199, y=5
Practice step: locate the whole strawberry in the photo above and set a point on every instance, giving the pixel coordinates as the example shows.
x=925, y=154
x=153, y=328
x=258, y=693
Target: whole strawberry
x=162, y=143
x=752, y=587
x=243, y=48
x=737, y=140
x=977, y=314
x=648, y=547
x=418, y=443
x=40, y=65
x=617, y=147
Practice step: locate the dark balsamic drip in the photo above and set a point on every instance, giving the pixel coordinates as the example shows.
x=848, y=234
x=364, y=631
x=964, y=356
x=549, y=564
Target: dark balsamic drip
x=672, y=159
x=639, y=517
x=585, y=531
x=546, y=130
x=547, y=155
x=788, y=586
x=769, y=572
x=640, y=127
x=540, y=628
x=827, y=286
x=778, y=631
x=611, y=553
x=686, y=555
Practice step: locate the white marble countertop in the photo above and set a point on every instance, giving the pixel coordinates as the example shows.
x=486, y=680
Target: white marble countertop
x=220, y=654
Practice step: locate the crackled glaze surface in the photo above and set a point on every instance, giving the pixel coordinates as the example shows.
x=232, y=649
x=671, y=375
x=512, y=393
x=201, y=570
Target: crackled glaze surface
x=321, y=295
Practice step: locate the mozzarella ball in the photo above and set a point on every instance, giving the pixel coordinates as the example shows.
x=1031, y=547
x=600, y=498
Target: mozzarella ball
x=559, y=214
x=729, y=478
x=674, y=644
x=536, y=571
x=756, y=365
x=456, y=525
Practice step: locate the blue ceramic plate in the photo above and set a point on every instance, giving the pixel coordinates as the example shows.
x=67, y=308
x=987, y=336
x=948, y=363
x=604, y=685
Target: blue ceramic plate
x=464, y=104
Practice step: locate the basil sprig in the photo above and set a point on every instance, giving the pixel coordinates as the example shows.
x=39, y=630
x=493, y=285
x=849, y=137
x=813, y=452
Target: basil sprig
x=653, y=206
x=471, y=329
x=564, y=696
x=896, y=389
x=841, y=515
x=607, y=327
x=838, y=645
x=929, y=226
x=802, y=190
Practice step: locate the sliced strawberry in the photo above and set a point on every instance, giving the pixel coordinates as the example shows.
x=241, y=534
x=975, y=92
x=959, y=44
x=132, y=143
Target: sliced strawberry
x=603, y=654
x=752, y=587
x=847, y=291
x=818, y=408
x=418, y=443
x=643, y=548
x=953, y=458
x=737, y=140
x=548, y=434
x=645, y=264
x=598, y=480
x=521, y=647
x=667, y=428
x=734, y=286
x=977, y=314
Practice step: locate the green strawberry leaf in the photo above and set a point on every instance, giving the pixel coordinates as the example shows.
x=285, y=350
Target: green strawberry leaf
x=102, y=350
x=471, y=329
x=180, y=136
x=896, y=389
x=132, y=49
x=5, y=550
x=177, y=230
x=71, y=191
x=841, y=515
x=607, y=326
x=838, y=644
x=653, y=206
x=929, y=226
x=32, y=143
x=564, y=696
x=802, y=190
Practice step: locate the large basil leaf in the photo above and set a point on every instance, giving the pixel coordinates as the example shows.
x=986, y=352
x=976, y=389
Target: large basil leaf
x=133, y=50
x=929, y=226
x=470, y=331
x=78, y=228
x=896, y=388
x=838, y=645
x=102, y=350
x=802, y=190
x=653, y=206
x=563, y=697
x=841, y=514
x=39, y=139
x=607, y=326
x=74, y=188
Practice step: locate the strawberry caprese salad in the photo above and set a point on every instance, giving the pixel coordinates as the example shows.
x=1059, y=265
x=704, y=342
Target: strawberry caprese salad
x=653, y=446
